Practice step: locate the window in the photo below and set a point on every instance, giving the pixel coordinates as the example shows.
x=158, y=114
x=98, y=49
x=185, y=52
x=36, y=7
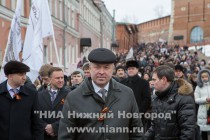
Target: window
x=23, y=7
x=61, y=9
x=61, y=56
x=3, y=2
x=76, y=51
x=73, y=55
x=73, y=19
x=45, y=54
x=51, y=47
x=55, y=8
x=50, y=5
x=69, y=16
x=13, y=3
x=84, y=13
x=208, y=5
x=66, y=57
x=69, y=50
x=196, y=35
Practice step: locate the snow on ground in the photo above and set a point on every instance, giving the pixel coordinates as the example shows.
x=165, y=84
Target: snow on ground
x=205, y=49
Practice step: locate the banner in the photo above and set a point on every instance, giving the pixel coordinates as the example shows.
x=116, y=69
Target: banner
x=39, y=26
x=14, y=43
x=130, y=54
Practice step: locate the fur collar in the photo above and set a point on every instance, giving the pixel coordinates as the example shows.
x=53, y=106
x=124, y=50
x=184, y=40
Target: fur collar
x=185, y=88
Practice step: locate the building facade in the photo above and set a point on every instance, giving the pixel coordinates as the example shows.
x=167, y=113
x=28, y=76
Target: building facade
x=190, y=22
x=126, y=35
x=72, y=20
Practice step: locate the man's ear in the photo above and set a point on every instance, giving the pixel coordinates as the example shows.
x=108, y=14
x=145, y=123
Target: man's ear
x=164, y=79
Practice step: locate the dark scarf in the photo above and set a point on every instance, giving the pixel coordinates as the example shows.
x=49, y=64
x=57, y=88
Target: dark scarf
x=133, y=78
x=164, y=93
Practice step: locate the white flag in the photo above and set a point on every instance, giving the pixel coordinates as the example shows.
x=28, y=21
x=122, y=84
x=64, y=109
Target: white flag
x=39, y=26
x=130, y=54
x=14, y=43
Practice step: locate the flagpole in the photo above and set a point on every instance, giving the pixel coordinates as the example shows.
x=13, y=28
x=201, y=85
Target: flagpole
x=56, y=51
x=2, y=75
x=6, y=47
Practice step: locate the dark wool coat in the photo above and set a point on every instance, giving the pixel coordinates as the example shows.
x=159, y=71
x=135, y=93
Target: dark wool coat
x=18, y=120
x=179, y=103
x=46, y=106
x=84, y=100
x=141, y=91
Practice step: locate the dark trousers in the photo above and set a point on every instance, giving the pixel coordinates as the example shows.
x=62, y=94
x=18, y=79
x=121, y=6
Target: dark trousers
x=204, y=135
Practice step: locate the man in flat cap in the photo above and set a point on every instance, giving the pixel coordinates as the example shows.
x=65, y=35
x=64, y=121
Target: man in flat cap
x=88, y=106
x=139, y=86
x=18, y=103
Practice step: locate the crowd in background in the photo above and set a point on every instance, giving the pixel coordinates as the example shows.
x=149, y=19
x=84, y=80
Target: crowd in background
x=186, y=64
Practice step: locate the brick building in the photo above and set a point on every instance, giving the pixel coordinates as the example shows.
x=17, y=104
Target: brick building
x=72, y=21
x=154, y=30
x=126, y=35
x=190, y=22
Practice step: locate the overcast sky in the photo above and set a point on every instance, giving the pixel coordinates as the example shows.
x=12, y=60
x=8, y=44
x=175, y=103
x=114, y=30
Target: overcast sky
x=138, y=11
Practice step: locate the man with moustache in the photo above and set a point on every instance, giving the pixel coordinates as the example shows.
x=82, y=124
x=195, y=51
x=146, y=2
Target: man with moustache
x=100, y=94
x=51, y=101
x=18, y=104
x=120, y=73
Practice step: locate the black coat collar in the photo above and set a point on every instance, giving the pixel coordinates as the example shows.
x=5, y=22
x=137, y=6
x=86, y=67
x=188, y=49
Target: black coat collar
x=3, y=88
x=133, y=78
x=169, y=93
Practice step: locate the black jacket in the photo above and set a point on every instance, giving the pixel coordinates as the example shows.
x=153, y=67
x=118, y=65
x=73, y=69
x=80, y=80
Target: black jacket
x=175, y=115
x=47, y=106
x=141, y=91
x=18, y=118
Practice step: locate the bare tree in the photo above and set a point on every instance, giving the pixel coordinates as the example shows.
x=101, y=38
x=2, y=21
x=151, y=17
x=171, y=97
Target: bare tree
x=130, y=19
x=159, y=11
x=125, y=19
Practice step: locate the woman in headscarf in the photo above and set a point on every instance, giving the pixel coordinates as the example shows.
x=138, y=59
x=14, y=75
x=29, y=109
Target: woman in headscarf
x=202, y=98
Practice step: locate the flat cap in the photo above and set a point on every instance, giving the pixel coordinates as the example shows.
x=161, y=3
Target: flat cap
x=132, y=63
x=15, y=67
x=101, y=55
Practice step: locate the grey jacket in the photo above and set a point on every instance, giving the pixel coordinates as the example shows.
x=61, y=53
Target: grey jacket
x=84, y=102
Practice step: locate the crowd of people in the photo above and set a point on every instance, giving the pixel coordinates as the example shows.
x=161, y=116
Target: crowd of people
x=168, y=87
